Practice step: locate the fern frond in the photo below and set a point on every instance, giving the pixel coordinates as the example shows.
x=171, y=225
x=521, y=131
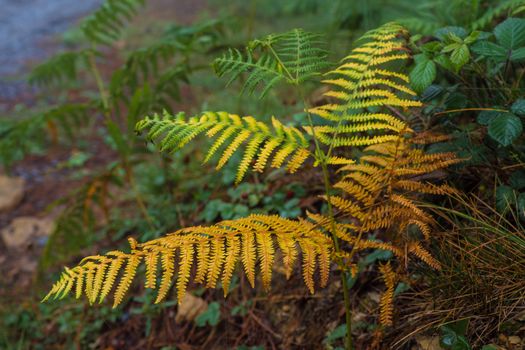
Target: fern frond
x=364, y=81
x=418, y=250
x=387, y=299
x=493, y=12
x=230, y=130
x=249, y=240
x=27, y=136
x=294, y=57
x=105, y=24
x=61, y=67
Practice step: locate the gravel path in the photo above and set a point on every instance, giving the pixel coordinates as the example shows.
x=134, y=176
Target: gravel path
x=27, y=28
x=25, y=24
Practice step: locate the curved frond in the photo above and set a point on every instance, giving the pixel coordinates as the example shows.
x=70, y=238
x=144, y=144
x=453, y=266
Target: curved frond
x=364, y=82
x=61, y=67
x=105, y=24
x=294, y=57
x=230, y=132
x=251, y=241
x=386, y=302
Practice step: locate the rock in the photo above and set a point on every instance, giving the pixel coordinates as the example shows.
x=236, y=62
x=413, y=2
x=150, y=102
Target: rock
x=514, y=340
x=11, y=192
x=190, y=307
x=428, y=343
x=24, y=231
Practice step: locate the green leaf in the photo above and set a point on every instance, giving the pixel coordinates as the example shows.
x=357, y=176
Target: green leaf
x=505, y=128
x=445, y=62
x=504, y=198
x=423, y=73
x=211, y=316
x=460, y=56
x=520, y=202
x=338, y=333
x=446, y=32
x=489, y=347
x=518, y=107
x=511, y=33
x=518, y=54
x=489, y=49
x=517, y=180
x=449, y=338
x=485, y=117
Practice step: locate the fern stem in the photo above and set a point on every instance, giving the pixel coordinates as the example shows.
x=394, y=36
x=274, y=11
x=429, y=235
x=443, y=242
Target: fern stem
x=107, y=116
x=100, y=83
x=322, y=158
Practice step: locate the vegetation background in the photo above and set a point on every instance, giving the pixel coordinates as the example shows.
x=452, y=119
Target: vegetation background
x=77, y=179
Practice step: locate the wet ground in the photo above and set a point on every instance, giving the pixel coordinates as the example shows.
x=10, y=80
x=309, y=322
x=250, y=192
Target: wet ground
x=28, y=30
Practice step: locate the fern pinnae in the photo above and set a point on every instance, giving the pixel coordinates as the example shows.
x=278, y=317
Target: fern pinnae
x=104, y=25
x=216, y=260
x=203, y=250
x=129, y=273
x=309, y=258
x=249, y=155
x=79, y=283
x=324, y=261
x=167, y=259
x=186, y=262
x=289, y=253
x=151, y=261
x=233, y=248
x=232, y=147
x=387, y=298
x=266, y=252
x=111, y=275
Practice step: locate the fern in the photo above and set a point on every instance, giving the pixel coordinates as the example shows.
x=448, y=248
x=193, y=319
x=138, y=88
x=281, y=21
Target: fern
x=249, y=241
x=377, y=194
x=59, y=68
x=493, y=12
x=380, y=192
x=29, y=135
x=294, y=57
x=105, y=24
x=365, y=82
x=231, y=131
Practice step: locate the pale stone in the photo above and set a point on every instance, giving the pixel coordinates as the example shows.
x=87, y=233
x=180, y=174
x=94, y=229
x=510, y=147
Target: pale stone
x=190, y=307
x=11, y=192
x=23, y=231
x=428, y=343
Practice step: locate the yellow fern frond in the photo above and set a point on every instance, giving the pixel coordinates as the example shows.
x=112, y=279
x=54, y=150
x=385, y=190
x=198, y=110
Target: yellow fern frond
x=230, y=132
x=215, y=250
x=416, y=249
x=387, y=299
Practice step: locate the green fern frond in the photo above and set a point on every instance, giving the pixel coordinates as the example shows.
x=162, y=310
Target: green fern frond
x=143, y=64
x=231, y=131
x=105, y=24
x=250, y=241
x=29, y=135
x=59, y=68
x=294, y=57
x=493, y=12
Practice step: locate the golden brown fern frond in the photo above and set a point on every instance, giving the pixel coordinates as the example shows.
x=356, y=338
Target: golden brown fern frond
x=362, y=81
x=216, y=250
x=386, y=302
